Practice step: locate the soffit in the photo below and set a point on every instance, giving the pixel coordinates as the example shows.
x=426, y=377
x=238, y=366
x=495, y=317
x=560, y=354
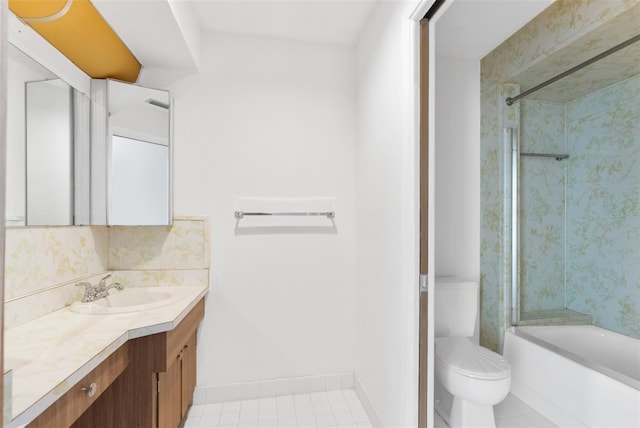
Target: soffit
x=76, y=29
x=622, y=65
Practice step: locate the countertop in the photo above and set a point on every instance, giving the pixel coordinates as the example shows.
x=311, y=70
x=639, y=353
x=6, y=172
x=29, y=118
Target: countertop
x=51, y=354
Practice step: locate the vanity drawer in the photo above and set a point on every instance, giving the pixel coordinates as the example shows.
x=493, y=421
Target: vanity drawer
x=74, y=402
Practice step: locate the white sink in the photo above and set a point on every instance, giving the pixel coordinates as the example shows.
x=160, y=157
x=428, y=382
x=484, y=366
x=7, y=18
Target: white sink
x=128, y=300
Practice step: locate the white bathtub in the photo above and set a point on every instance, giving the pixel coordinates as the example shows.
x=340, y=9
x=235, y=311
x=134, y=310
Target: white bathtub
x=576, y=376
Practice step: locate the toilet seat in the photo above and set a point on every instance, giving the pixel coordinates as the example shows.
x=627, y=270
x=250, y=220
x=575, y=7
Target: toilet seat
x=461, y=356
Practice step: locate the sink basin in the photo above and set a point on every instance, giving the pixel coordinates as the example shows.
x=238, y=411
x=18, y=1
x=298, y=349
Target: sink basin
x=128, y=300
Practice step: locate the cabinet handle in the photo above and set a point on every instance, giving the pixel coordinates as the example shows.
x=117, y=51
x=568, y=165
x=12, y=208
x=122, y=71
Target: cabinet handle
x=91, y=389
x=180, y=356
x=186, y=346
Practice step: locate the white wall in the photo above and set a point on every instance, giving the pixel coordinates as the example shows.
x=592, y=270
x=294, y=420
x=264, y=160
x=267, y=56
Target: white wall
x=457, y=203
x=271, y=118
x=386, y=217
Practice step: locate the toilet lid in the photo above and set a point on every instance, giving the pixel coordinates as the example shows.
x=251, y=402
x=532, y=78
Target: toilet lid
x=460, y=355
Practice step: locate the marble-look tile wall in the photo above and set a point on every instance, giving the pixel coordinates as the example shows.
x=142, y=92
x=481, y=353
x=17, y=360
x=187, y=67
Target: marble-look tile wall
x=561, y=24
x=44, y=264
x=542, y=207
x=175, y=255
x=603, y=206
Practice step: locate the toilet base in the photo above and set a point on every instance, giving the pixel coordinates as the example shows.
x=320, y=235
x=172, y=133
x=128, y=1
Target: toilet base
x=465, y=414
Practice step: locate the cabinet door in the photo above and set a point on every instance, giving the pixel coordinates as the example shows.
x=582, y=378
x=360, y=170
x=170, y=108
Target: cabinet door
x=188, y=372
x=169, y=395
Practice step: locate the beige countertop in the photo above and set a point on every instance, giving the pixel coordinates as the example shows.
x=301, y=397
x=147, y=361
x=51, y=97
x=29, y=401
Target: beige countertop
x=49, y=355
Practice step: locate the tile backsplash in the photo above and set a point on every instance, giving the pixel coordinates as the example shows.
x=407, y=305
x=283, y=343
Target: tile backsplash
x=44, y=264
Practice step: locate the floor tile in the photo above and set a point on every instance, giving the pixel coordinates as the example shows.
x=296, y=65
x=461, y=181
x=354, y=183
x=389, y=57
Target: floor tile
x=267, y=414
x=287, y=423
x=301, y=399
x=320, y=409
x=511, y=413
x=273, y=423
x=231, y=418
x=307, y=421
x=344, y=419
x=325, y=420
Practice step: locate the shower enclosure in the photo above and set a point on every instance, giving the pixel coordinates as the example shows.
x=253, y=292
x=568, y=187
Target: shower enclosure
x=573, y=183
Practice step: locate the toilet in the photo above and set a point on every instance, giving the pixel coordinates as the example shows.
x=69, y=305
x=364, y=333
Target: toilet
x=470, y=379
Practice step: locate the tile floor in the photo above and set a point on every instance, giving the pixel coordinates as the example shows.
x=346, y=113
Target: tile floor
x=338, y=408
x=512, y=413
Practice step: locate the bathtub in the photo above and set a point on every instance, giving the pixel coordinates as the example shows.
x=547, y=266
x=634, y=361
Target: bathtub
x=576, y=376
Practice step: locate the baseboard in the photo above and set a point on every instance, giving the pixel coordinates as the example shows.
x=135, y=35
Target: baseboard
x=367, y=404
x=271, y=388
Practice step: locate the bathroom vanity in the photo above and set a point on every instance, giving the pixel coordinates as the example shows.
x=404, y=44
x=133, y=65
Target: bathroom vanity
x=114, y=370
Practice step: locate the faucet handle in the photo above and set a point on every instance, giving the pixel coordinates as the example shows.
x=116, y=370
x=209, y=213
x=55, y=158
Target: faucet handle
x=103, y=281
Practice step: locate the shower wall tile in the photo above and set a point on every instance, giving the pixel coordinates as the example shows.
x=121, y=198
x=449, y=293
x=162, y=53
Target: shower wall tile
x=545, y=45
x=545, y=37
x=603, y=207
x=494, y=206
x=542, y=207
x=607, y=99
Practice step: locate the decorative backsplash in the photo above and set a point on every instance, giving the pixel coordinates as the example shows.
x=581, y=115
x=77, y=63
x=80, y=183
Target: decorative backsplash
x=44, y=264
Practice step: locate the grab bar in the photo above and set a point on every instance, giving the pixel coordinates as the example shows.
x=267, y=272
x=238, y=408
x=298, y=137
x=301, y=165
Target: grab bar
x=558, y=157
x=241, y=214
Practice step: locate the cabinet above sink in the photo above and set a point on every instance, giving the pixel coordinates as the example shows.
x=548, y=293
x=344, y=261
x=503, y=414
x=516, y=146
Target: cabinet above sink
x=111, y=161
x=130, y=155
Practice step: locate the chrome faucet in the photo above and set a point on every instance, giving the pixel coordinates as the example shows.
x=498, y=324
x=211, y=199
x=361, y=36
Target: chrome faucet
x=95, y=292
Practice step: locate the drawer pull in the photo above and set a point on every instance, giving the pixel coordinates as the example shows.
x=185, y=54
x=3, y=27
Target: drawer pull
x=91, y=389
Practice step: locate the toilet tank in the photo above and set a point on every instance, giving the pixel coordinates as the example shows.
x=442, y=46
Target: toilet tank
x=456, y=307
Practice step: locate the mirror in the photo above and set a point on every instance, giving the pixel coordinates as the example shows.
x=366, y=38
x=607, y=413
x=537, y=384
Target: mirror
x=40, y=144
x=134, y=179
x=60, y=172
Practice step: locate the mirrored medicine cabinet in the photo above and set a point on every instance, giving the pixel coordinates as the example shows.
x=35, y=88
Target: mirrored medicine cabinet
x=131, y=179
x=76, y=161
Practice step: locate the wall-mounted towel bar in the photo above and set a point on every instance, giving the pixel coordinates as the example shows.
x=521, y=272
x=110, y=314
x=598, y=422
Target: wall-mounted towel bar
x=547, y=155
x=241, y=214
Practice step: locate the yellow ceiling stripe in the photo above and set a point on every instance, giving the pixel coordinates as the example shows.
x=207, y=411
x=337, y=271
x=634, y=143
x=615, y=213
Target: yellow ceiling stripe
x=83, y=36
x=36, y=8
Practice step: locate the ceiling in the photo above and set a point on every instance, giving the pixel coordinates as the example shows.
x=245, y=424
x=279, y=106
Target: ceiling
x=468, y=28
x=325, y=21
x=473, y=28
x=165, y=35
x=82, y=35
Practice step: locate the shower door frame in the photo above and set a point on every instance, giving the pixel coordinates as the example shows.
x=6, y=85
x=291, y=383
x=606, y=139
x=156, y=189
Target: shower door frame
x=512, y=230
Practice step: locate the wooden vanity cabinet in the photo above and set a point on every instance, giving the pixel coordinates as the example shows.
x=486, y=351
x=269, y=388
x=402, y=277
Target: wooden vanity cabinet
x=176, y=385
x=79, y=398
x=156, y=389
